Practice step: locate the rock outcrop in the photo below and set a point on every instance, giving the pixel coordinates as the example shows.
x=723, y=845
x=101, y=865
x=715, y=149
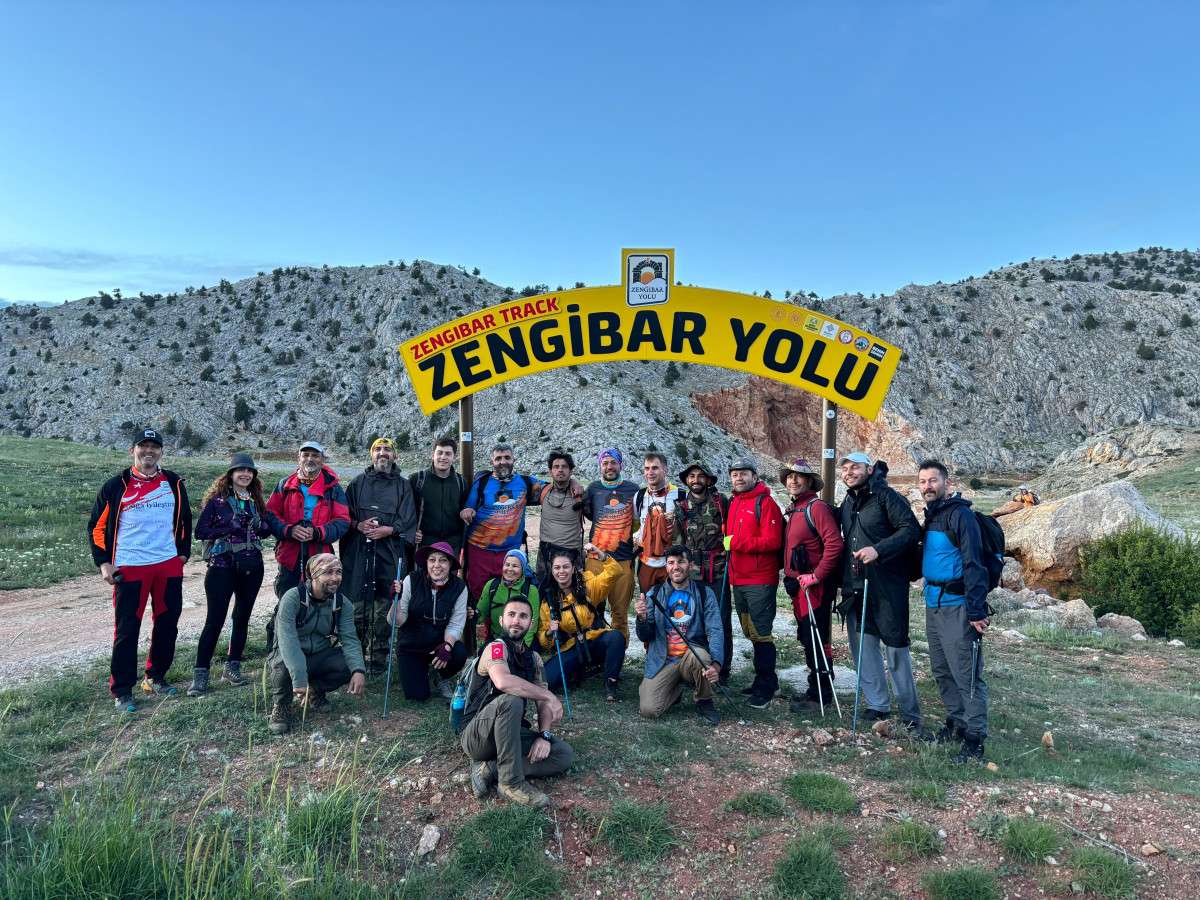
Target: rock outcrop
x=1116, y=454
x=1125, y=626
x=1046, y=538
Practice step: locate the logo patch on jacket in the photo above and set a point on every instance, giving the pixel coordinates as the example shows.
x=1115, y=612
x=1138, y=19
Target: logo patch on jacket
x=497, y=650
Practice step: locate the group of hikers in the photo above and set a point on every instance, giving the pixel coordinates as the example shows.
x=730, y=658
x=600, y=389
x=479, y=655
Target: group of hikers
x=432, y=574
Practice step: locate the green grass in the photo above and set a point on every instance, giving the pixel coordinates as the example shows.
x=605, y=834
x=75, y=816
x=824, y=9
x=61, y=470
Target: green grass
x=968, y=883
x=909, y=840
x=328, y=824
x=1065, y=638
x=1029, y=840
x=638, y=832
x=756, y=803
x=501, y=850
x=928, y=792
x=809, y=870
x=820, y=792
x=1103, y=874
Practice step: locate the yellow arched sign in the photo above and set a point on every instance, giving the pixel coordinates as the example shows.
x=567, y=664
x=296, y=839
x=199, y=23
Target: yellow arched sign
x=648, y=317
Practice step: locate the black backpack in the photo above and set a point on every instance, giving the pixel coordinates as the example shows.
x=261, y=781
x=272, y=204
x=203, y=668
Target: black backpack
x=991, y=550
x=302, y=614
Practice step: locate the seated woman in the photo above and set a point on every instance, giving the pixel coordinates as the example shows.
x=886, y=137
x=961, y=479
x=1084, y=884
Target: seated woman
x=570, y=597
x=515, y=580
x=433, y=611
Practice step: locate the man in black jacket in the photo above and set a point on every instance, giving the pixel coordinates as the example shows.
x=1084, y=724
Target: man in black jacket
x=383, y=522
x=880, y=534
x=956, y=608
x=440, y=493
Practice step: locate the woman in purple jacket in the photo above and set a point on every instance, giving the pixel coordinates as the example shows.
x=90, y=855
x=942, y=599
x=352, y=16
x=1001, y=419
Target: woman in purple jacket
x=233, y=521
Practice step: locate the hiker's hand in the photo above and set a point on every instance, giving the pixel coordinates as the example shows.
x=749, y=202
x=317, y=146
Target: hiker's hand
x=358, y=684
x=539, y=751
x=590, y=549
x=365, y=526
x=553, y=626
x=301, y=533
x=379, y=532
x=467, y=515
x=549, y=712
x=108, y=572
x=481, y=632
x=807, y=580
x=418, y=537
x=301, y=694
x=640, y=606
x=441, y=656
x=712, y=673
x=866, y=555
x=397, y=587
x=981, y=625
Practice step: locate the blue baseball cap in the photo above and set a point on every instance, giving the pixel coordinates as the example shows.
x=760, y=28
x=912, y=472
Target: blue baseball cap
x=858, y=456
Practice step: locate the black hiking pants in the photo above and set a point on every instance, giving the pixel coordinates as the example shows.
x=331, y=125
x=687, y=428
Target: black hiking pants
x=240, y=581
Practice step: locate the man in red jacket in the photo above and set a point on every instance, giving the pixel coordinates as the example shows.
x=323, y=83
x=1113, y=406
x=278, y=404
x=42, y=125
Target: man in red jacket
x=812, y=548
x=754, y=539
x=313, y=513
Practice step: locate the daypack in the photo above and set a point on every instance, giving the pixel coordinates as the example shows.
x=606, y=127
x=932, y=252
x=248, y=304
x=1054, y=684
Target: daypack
x=991, y=551
x=424, y=473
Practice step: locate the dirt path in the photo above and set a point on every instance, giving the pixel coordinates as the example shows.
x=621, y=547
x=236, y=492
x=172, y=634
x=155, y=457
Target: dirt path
x=47, y=630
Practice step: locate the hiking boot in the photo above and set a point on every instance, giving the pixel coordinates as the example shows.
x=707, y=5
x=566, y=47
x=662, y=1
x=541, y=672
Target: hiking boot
x=442, y=686
x=199, y=686
x=317, y=701
x=125, y=704
x=951, y=731
x=972, y=749
x=280, y=720
x=610, y=690
x=875, y=715
x=804, y=705
x=708, y=712
x=158, y=687
x=524, y=794
x=483, y=778
x=233, y=673
x=760, y=699
x=919, y=732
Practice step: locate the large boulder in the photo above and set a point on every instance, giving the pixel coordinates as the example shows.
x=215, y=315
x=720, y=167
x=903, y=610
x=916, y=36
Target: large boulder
x=1076, y=614
x=1012, y=577
x=1125, y=626
x=1046, y=538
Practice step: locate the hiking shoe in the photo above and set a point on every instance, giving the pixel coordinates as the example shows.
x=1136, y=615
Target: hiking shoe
x=802, y=705
x=159, y=687
x=524, y=794
x=233, y=673
x=317, y=701
x=610, y=690
x=919, y=732
x=280, y=720
x=708, y=712
x=199, y=685
x=759, y=700
x=483, y=778
x=951, y=731
x=875, y=715
x=972, y=749
x=125, y=704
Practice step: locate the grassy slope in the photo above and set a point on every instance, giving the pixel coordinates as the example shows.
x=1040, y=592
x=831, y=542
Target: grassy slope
x=1175, y=492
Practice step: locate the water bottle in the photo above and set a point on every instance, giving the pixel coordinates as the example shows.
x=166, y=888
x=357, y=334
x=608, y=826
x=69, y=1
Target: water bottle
x=457, y=704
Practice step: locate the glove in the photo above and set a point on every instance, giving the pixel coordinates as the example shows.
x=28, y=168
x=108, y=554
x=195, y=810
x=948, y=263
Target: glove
x=791, y=586
x=442, y=653
x=728, y=540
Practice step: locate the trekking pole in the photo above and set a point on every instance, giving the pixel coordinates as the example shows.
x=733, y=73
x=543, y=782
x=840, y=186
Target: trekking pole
x=974, y=662
x=862, y=629
x=369, y=601
x=555, y=616
x=387, y=687
x=683, y=637
x=813, y=636
x=820, y=643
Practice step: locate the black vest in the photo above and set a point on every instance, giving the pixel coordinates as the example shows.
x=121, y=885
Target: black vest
x=520, y=663
x=428, y=614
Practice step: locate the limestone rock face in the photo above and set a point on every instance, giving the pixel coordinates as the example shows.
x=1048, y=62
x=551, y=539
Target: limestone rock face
x=1012, y=577
x=1119, y=453
x=1046, y=538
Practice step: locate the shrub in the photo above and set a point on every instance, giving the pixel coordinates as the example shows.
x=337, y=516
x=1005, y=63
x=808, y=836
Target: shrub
x=1188, y=629
x=821, y=792
x=1144, y=573
x=504, y=846
x=1090, y=322
x=1186, y=321
x=967, y=883
x=1144, y=351
x=809, y=869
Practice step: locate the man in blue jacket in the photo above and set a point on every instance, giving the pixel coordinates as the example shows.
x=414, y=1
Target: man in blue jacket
x=675, y=609
x=956, y=610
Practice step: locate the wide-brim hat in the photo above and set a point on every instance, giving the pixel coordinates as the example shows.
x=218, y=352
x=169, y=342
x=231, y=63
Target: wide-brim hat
x=242, y=461
x=704, y=470
x=440, y=547
x=801, y=467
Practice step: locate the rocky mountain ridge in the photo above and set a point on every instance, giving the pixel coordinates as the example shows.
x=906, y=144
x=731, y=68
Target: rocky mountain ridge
x=1001, y=373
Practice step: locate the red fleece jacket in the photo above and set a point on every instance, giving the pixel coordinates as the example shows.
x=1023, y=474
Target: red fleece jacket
x=824, y=546
x=755, y=543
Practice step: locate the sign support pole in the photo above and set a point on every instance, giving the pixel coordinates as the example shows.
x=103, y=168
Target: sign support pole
x=828, y=447
x=466, y=440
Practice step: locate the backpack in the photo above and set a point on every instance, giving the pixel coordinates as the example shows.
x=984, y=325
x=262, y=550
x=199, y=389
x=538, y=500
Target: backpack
x=640, y=498
x=301, y=615
x=800, y=561
x=424, y=473
x=491, y=597
x=991, y=551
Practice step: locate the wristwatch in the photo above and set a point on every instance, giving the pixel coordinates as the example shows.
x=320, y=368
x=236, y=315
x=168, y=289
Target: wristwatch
x=546, y=736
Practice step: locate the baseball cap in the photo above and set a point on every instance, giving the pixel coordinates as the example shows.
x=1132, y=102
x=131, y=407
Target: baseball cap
x=858, y=456
x=146, y=434
x=313, y=445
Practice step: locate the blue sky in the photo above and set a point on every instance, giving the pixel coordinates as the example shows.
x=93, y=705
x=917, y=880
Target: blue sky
x=828, y=147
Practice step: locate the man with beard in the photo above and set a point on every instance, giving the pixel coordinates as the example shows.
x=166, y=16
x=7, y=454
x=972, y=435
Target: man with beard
x=562, y=513
x=495, y=515
x=141, y=535
x=312, y=511
x=654, y=511
x=383, y=524
x=315, y=649
x=680, y=623
x=956, y=609
x=608, y=503
x=504, y=750
x=700, y=527
x=879, y=534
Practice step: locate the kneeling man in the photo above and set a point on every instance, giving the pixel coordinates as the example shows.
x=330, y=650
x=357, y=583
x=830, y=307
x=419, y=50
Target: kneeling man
x=496, y=736
x=680, y=621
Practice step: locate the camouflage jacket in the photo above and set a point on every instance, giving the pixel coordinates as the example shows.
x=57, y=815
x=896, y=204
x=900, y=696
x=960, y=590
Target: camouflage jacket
x=701, y=528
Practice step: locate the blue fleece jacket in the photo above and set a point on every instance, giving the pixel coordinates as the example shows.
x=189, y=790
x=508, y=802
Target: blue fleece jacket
x=952, y=564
